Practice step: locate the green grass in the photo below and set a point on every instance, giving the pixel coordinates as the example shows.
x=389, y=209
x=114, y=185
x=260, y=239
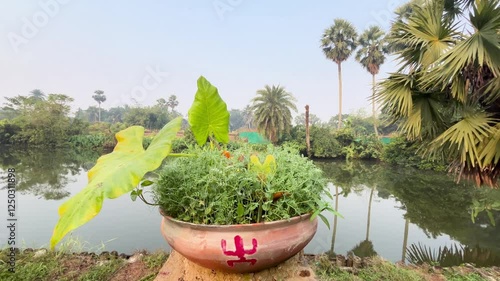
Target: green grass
x=63, y=265
x=68, y=267
x=27, y=266
x=155, y=260
x=468, y=277
x=381, y=270
x=103, y=271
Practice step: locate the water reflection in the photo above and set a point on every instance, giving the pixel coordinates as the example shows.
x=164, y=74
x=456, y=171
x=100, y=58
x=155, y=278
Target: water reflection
x=452, y=255
x=431, y=201
x=385, y=209
x=45, y=173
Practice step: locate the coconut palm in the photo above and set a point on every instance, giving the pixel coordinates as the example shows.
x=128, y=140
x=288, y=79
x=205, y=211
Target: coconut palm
x=99, y=97
x=37, y=94
x=272, y=111
x=248, y=116
x=447, y=90
x=371, y=56
x=338, y=42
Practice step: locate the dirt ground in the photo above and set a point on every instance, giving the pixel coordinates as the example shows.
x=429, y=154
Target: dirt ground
x=179, y=268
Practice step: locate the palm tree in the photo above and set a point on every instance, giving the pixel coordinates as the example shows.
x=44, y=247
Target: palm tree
x=172, y=102
x=161, y=102
x=447, y=90
x=99, y=97
x=272, y=111
x=248, y=116
x=371, y=56
x=338, y=43
x=37, y=94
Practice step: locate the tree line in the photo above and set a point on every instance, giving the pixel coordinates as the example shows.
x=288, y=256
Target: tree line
x=444, y=97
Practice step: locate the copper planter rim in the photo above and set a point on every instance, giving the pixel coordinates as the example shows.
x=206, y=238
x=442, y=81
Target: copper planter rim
x=230, y=227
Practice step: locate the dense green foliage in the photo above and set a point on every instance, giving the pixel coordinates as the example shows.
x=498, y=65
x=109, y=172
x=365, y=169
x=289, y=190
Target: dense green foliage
x=212, y=189
x=38, y=121
x=405, y=153
x=446, y=91
x=355, y=141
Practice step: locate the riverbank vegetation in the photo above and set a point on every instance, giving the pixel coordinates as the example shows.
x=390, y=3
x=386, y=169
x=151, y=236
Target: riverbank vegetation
x=46, y=122
x=40, y=264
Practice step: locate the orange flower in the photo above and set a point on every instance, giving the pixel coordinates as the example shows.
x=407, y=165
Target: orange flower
x=227, y=154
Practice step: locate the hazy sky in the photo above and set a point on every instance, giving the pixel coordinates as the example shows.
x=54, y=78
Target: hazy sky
x=151, y=49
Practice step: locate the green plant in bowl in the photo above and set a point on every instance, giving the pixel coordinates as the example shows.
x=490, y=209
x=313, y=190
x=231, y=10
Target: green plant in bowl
x=208, y=184
x=214, y=189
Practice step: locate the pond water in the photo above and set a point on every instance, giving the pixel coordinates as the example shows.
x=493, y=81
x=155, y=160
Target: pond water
x=385, y=209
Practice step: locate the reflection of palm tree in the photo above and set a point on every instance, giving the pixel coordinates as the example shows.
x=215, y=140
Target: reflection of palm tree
x=369, y=214
x=332, y=249
x=405, y=240
x=452, y=256
x=365, y=248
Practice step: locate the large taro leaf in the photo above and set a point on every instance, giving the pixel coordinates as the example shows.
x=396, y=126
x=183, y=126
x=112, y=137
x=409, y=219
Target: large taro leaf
x=114, y=175
x=208, y=115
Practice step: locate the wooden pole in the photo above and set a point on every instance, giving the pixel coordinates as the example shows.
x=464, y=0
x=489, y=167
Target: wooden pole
x=308, y=141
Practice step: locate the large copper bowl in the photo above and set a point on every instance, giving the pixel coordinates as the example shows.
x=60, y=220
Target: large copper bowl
x=239, y=248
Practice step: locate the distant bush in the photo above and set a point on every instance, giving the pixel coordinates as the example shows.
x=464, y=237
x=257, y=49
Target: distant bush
x=404, y=153
x=365, y=147
x=324, y=144
x=7, y=131
x=97, y=141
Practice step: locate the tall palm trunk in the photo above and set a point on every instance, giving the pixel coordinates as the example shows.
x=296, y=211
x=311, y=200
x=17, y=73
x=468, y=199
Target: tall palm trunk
x=308, y=140
x=374, y=113
x=340, y=95
x=99, y=112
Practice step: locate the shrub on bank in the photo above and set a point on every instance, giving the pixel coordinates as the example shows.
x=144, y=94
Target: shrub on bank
x=405, y=153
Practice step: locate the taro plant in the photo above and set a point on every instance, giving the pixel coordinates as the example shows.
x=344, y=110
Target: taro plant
x=276, y=189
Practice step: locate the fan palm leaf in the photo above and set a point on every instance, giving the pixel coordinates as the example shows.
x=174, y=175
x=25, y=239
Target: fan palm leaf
x=447, y=91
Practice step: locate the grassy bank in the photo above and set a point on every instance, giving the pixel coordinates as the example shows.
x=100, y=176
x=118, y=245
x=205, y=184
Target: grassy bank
x=375, y=269
x=45, y=265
